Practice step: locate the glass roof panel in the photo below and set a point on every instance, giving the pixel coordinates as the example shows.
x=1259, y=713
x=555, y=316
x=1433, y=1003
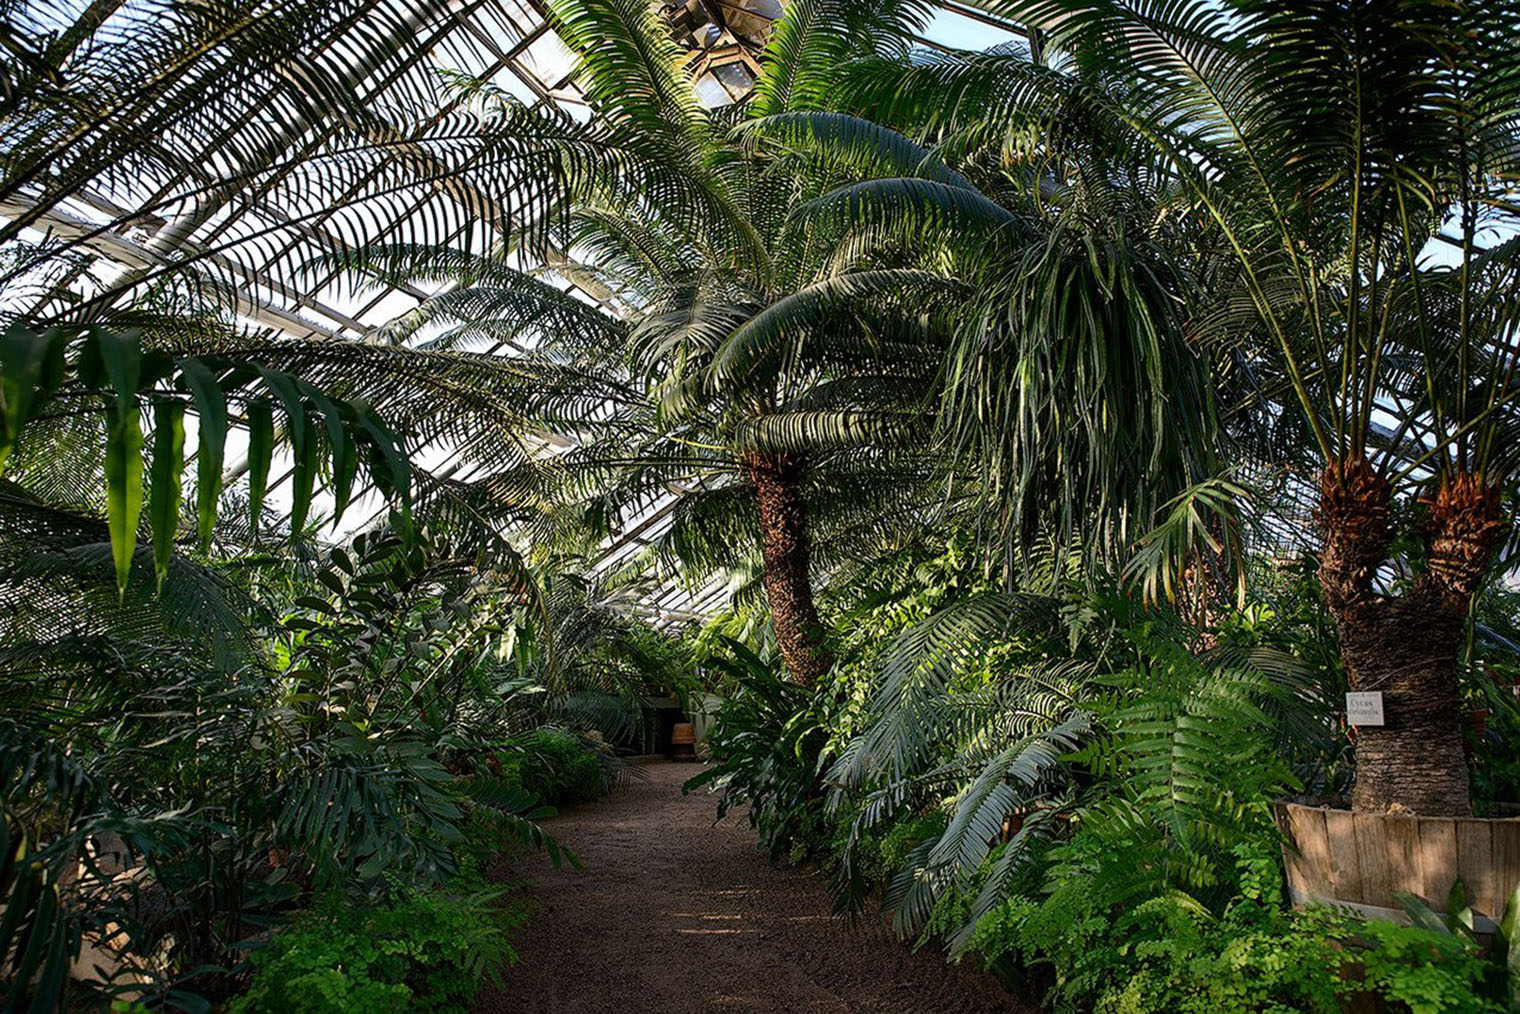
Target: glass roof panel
x=270, y=231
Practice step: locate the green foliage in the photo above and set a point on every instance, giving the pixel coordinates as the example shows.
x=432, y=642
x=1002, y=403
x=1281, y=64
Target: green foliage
x=1502, y=952
x=1287, y=617
x=990, y=713
x=380, y=666
x=1166, y=893
x=99, y=365
x=766, y=745
x=595, y=661
x=427, y=952
x=880, y=851
x=555, y=766
x=1188, y=769
x=1202, y=523
x=332, y=758
x=1163, y=952
x=1046, y=294
x=1180, y=775
x=1489, y=675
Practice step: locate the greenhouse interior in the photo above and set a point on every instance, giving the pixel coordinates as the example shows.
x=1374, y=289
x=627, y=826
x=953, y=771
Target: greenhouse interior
x=685, y=506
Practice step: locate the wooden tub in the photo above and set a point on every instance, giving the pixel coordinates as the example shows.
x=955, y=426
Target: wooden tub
x=1361, y=861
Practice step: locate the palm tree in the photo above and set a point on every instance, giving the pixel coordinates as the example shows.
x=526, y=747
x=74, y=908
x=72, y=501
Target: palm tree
x=233, y=134
x=1071, y=394
x=756, y=364
x=1354, y=162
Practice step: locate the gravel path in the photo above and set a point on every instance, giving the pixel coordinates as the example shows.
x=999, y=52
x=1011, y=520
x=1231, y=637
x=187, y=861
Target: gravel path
x=676, y=915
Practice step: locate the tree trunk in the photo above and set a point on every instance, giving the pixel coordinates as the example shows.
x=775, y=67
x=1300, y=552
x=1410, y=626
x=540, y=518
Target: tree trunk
x=1406, y=646
x=1409, y=652
x=784, y=546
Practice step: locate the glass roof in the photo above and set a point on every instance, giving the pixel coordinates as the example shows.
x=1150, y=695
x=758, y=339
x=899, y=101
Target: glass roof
x=264, y=222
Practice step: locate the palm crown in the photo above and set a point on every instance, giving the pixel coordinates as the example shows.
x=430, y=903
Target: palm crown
x=1349, y=163
x=758, y=360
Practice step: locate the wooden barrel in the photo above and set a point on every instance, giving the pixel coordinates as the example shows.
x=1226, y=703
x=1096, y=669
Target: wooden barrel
x=1362, y=861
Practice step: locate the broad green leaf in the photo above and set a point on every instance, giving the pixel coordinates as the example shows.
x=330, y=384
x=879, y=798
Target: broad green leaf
x=164, y=490
x=124, y=493
x=25, y=357
x=389, y=464
x=1459, y=915
x=121, y=361
x=1509, y=925
x=302, y=481
x=345, y=460
x=260, y=450
x=1510, y=922
x=1421, y=914
x=211, y=408
x=345, y=469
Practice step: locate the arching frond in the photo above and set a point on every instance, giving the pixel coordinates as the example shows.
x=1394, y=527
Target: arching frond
x=855, y=143
x=785, y=331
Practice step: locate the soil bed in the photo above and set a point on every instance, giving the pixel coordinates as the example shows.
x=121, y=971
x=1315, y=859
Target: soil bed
x=677, y=915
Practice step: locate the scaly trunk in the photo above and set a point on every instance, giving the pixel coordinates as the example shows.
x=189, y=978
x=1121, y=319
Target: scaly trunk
x=784, y=546
x=1406, y=646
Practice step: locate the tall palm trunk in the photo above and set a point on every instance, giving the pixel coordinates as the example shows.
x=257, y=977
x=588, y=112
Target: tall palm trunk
x=784, y=545
x=1406, y=646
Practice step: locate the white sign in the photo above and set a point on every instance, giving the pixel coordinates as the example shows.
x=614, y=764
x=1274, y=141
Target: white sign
x=1365, y=708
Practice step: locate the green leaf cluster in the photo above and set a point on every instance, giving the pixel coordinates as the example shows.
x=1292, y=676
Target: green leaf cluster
x=554, y=766
x=41, y=367
x=766, y=747
x=1162, y=952
x=342, y=751
x=427, y=952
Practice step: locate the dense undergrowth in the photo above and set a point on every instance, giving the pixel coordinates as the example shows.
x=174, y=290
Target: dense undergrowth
x=1076, y=790
x=309, y=815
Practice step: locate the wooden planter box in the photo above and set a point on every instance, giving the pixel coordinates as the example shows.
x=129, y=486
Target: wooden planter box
x=1361, y=861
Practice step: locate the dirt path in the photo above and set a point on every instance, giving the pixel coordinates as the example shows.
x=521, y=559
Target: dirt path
x=677, y=916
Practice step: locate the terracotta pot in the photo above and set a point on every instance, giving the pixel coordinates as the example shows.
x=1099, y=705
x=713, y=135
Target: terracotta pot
x=683, y=741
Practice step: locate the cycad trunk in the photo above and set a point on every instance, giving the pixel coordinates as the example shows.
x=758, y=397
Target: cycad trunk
x=784, y=545
x=1406, y=646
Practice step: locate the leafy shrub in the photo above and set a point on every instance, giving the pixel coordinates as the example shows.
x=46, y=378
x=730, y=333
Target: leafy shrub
x=1168, y=955
x=1136, y=871
x=765, y=746
x=428, y=952
x=556, y=767
x=878, y=852
x=1166, y=893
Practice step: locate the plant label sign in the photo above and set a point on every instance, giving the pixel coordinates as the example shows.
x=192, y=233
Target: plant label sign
x=1364, y=708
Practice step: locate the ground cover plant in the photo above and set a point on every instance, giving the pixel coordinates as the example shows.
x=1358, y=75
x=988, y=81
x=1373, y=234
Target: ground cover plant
x=426, y=953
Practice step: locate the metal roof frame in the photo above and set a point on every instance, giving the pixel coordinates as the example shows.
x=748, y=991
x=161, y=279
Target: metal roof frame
x=488, y=38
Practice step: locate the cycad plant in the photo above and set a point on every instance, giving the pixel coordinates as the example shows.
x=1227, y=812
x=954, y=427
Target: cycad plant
x=759, y=367
x=165, y=170
x=225, y=130
x=1355, y=165
x=993, y=730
